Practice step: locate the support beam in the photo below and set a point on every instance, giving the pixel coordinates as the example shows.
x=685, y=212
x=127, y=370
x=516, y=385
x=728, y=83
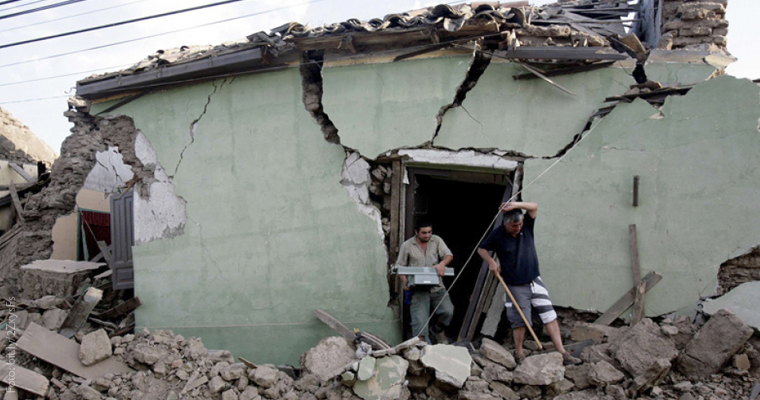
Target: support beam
x=16, y=202
x=627, y=300
x=21, y=172
x=638, y=300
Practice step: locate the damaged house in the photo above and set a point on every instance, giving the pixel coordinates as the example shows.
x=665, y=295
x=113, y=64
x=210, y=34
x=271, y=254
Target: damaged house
x=279, y=174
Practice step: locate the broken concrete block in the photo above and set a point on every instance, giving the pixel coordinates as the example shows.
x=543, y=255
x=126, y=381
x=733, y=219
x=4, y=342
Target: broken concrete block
x=497, y=353
x=588, y=394
x=543, y=369
x=496, y=372
x=616, y=392
x=476, y=385
x=741, y=361
x=558, y=388
x=596, y=353
x=327, y=356
x=264, y=376
x=715, y=343
x=53, y=318
x=193, y=350
x=596, y=332
x=229, y=395
x=578, y=374
x=386, y=382
x=216, y=384
x=652, y=377
x=59, y=278
x=451, y=363
x=467, y=395
x=148, y=354
x=233, y=372
x=641, y=345
x=603, y=374
x=47, y=302
x=95, y=347
x=366, y=368
x=530, y=392
x=741, y=300
x=504, y=391
x=250, y=393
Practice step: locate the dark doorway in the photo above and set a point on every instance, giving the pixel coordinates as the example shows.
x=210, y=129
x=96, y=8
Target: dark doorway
x=461, y=206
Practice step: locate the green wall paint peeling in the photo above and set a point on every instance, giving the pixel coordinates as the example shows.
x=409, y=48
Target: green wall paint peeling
x=529, y=116
x=271, y=233
x=377, y=107
x=700, y=181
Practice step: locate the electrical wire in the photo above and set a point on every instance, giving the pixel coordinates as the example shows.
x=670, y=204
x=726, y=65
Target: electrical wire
x=23, y=5
x=159, y=34
x=43, y=8
x=2, y=3
x=64, y=75
x=120, y=23
x=70, y=16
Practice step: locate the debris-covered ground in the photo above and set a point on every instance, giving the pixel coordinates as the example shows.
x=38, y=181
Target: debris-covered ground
x=672, y=359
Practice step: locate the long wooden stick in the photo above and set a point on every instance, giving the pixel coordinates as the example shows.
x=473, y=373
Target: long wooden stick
x=527, y=324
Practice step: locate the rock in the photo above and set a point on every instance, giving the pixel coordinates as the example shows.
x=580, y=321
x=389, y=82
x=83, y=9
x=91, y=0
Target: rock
x=242, y=383
x=366, y=368
x=641, y=345
x=476, y=385
x=603, y=374
x=250, y=393
x=419, y=383
x=669, y=330
x=387, y=380
x=233, y=372
x=588, y=394
x=412, y=354
x=87, y=393
x=496, y=372
x=616, y=392
x=595, y=332
x=529, y=392
x=451, y=363
x=652, y=377
x=307, y=383
x=216, y=384
x=684, y=386
x=596, y=353
x=95, y=347
x=467, y=395
x=193, y=350
x=686, y=331
x=47, y=302
x=504, y=391
x=229, y=395
x=741, y=361
x=148, y=354
x=349, y=378
x=264, y=376
x=497, y=353
x=543, y=369
x=53, y=318
x=558, y=388
x=579, y=375
x=718, y=340
x=687, y=396
x=329, y=355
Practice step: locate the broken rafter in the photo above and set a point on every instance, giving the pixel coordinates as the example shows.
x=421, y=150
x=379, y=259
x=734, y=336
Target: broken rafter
x=627, y=300
x=566, y=71
x=542, y=76
x=21, y=172
x=16, y=202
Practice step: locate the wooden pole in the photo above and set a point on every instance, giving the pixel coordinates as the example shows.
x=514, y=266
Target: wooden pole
x=517, y=306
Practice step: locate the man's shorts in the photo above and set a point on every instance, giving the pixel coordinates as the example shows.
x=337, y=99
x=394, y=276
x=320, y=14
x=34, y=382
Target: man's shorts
x=531, y=294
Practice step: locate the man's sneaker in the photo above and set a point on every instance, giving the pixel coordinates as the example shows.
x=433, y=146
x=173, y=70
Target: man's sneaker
x=568, y=359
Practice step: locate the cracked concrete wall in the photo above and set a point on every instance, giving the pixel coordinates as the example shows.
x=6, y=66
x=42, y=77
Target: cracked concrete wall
x=271, y=232
x=109, y=173
x=378, y=107
x=508, y=114
x=699, y=163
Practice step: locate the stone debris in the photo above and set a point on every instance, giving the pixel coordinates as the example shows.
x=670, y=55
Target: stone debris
x=543, y=369
x=497, y=353
x=95, y=347
x=451, y=363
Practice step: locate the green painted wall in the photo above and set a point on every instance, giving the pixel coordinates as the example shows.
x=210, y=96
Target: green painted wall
x=530, y=116
x=699, y=163
x=271, y=233
x=378, y=107
x=684, y=74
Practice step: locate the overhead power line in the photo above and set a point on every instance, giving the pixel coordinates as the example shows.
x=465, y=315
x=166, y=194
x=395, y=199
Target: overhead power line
x=43, y=8
x=114, y=24
x=22, y=5
x=70, y=16
x=2, y=3
x=160, y=34
x=65, y=75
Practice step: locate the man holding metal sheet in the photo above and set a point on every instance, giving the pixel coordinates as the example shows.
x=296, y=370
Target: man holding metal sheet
x=427, y=250
x=514, y=244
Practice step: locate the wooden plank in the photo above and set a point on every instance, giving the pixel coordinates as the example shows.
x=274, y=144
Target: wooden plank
x=23, y=378
x=489, y=289
x=21, y=172
x=80, y=311
x=336, y=325
x=16, y=202
x=64, y=353
x=122, y=309
x=638, y=300
x=626, y=301
x=559, y=53
x=395, y=209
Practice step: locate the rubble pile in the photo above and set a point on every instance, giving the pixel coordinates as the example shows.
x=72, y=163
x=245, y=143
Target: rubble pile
x=693, y=24
x=669, y=360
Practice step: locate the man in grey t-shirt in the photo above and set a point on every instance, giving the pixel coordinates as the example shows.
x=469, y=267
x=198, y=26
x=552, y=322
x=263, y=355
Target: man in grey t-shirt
x=427, y=250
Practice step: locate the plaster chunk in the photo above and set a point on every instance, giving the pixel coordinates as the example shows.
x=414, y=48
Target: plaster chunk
x=742, y=301
x=451, y=363
x=355, y=178
x=543, y=369
x=95, y=347
x=387, y=381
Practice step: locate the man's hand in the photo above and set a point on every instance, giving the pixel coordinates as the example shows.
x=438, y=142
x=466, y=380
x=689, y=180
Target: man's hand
x=508, y=206
x=441, y=268
x=493, y=266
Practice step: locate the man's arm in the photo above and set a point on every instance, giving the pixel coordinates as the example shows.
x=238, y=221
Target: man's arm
x=441, y=266
x=493, y=266
x=530, y=207
x=402, y=261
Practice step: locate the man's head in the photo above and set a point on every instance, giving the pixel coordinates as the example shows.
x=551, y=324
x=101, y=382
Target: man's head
x=513, y=221
x=423, y=230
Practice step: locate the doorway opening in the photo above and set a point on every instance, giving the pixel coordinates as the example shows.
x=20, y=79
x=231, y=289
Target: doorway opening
x=460, y=205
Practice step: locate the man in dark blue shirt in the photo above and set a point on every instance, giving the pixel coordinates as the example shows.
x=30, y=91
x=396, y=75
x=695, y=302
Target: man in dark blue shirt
x=514, y=244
